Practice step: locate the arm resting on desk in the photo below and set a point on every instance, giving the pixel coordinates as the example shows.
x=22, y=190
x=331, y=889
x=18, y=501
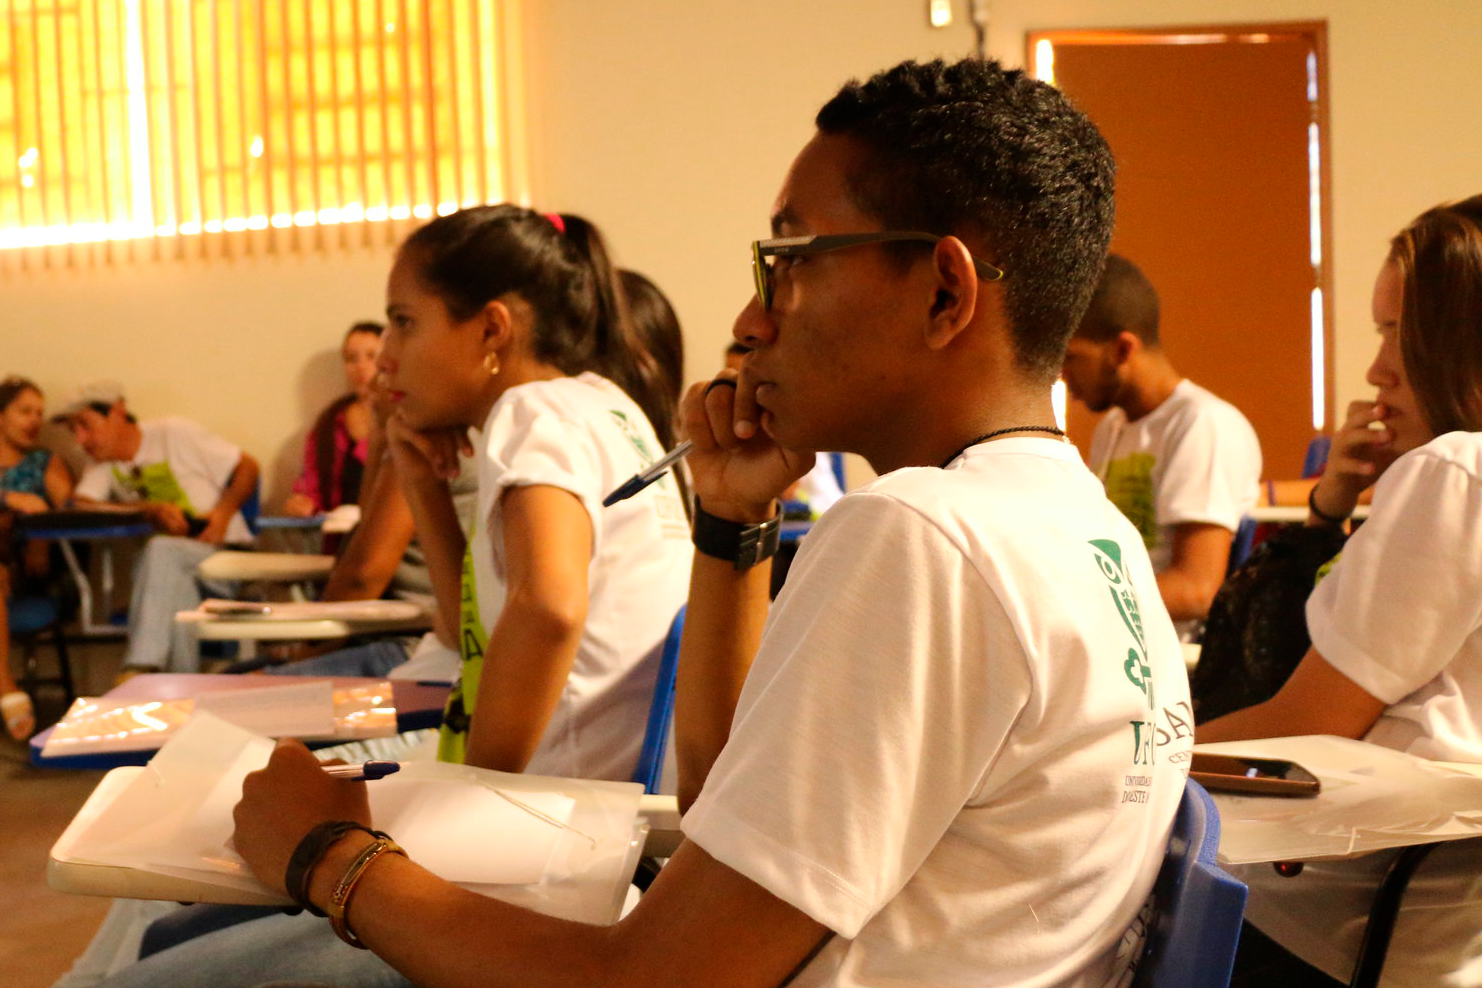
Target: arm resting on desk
x=377, y=544
x=701, y=923
x=1317, y=699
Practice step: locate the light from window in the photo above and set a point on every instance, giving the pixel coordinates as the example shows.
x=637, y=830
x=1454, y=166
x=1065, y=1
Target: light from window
x=183, y=126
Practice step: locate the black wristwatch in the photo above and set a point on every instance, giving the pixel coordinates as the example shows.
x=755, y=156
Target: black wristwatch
x=736, y=543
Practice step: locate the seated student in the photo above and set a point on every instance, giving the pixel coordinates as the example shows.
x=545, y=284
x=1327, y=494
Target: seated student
x=335, y=448
x=944, y=764
x=1396, y=627
x=507, y=321
x=31, y=480
x=191, y=484
x=369, y=550
x=1181, y=463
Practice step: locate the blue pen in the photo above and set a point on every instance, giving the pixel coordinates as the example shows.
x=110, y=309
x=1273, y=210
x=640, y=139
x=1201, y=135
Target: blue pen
x=367, y=772
x=639, y=481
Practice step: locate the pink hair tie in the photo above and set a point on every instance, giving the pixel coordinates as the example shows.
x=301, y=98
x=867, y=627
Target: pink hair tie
x=557, y=222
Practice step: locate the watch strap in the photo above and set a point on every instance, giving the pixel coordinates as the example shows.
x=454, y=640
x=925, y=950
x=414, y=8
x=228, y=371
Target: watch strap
x=735, y=542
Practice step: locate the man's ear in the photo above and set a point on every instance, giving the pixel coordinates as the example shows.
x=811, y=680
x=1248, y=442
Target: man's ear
x=1127, y=345
x=954, y=300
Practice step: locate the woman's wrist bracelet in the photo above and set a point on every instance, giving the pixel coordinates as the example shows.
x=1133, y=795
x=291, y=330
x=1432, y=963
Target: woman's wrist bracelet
x=1319, y=513
x=310, y=851
x=339, y=898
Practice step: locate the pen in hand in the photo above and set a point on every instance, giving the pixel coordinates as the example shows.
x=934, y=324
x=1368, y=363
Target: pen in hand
x=639, y=481
x=365, y=772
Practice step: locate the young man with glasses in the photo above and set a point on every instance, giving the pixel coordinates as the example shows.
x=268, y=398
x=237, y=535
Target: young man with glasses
x=948, y=762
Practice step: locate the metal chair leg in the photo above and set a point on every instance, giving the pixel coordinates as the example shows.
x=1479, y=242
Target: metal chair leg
x=1386, y=909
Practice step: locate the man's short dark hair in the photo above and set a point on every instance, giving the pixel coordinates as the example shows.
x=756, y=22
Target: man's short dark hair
x=1124, y=299
x=1003, y=160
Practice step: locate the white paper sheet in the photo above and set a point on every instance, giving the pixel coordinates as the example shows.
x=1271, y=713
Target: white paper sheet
x=295, y=710
x=1372, y=798
x=438, y=822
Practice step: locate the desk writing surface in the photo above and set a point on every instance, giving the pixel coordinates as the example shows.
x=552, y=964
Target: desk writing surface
x=418, y=706
x=1372, y=798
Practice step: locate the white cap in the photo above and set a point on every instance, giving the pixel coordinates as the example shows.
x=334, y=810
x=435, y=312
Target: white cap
x=93, y=393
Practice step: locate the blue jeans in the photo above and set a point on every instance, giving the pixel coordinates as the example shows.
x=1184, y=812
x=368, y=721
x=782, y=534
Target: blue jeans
x=165, y=582
x=278, y=948
x=373, y=660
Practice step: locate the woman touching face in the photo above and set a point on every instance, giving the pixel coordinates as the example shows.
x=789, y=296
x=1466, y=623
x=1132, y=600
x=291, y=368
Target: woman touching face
x=1397, y=407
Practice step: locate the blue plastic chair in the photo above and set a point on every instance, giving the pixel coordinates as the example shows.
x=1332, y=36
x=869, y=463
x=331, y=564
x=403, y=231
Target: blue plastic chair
x=30, y=617
x=660, y=712
x=1197, y=908
x=1317, y=456
x=1242, y=543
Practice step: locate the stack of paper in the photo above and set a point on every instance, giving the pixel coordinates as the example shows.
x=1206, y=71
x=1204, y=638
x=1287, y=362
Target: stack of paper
x=312, y=709
x=561, y=846
x=1372, y=798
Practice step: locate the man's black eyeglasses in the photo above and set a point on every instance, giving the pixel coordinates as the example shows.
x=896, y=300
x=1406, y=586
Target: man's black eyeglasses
x=761, y=250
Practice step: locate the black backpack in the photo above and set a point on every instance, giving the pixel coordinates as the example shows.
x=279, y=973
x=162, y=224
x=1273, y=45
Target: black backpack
x=1256, y=632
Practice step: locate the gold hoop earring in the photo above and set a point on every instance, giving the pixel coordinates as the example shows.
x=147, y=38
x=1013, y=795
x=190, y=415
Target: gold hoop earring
x=491, y=364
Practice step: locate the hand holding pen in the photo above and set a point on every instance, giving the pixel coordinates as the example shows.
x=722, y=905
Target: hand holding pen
x=364, y=772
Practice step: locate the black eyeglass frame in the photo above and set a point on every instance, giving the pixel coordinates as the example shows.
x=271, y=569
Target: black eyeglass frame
x=821, y=243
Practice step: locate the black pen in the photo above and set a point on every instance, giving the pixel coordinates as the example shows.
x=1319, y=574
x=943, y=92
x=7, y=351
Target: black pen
x=639, y=481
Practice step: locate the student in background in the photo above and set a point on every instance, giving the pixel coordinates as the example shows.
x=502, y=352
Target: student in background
x=1396, y=624
x=657, y=326
x=1181, y=463
x=31, y=480
x=191, y=484
x=335, y=448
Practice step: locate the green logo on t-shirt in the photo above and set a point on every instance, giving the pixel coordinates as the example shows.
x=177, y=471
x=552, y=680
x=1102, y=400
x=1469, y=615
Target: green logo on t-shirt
x=1129, y=485
x=155, y=482
x=1108, y=556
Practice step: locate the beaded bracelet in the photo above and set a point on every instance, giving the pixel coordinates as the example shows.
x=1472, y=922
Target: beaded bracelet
x=339, y=899
x=1319, y=513
x=310, y=851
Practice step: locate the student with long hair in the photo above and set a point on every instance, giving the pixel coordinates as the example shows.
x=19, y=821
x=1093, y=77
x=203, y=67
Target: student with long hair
x=1396, y=625
x=335, y=448
x=31, y=480
x=509, y=322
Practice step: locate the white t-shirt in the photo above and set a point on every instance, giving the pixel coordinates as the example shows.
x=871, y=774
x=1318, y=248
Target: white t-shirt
x=584, y=435
x=1400, y=614
x=949, y=750
x=178, y=461
x=1192, y=460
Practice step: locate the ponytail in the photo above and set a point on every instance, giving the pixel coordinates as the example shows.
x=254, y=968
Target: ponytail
x=621, y=355
x=558, y=264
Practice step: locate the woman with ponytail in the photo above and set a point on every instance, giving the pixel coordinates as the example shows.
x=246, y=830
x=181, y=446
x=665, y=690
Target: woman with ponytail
x=507, y=324
x=510, y=322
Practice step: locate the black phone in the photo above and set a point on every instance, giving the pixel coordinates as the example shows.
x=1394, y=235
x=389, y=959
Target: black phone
x=1252, y=776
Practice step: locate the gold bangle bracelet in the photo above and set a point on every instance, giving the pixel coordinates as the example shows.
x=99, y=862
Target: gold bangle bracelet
x=339, y=898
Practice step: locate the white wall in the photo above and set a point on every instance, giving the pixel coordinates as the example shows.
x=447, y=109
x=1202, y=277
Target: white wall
x=671, y=124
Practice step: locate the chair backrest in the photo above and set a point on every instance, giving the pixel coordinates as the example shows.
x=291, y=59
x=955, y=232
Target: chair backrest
x=1317, y=456
x=1242, y=543
x=660, y=712
x=1197, y=908
x=252, y=507
x=836, y=463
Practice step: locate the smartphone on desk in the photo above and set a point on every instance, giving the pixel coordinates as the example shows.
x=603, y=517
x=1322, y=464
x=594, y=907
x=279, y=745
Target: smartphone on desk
x=1252, y=776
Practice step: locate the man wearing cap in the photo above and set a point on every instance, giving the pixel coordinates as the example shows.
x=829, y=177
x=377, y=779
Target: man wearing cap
x=190, y=483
